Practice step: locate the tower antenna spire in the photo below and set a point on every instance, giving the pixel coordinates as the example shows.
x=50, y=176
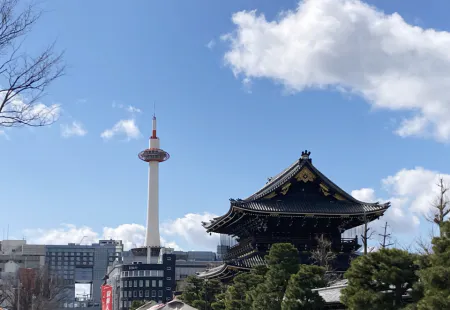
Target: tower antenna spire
x=154, y=109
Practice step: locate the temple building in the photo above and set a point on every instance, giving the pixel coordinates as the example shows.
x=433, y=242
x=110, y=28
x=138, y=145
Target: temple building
x=296, y=206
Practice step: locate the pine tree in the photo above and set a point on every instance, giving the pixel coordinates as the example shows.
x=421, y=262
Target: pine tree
x=282, y=262
x=299, y=294
x=436, y=278
x=378, y=280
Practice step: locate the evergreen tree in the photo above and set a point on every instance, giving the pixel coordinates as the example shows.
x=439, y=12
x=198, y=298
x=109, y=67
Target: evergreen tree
x=136, y=304
x=378, y=280
x=299, y=294
x=435, y=279
x=193, y=290
x=282, y=262
x=237, y=296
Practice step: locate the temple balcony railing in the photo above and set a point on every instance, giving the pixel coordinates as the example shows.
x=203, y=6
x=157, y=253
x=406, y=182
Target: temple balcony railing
x=262, y=244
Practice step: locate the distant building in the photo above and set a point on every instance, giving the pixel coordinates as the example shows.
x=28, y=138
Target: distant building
x=83, y=264
x=16, y=254
x=190, y=263
x=136, y=279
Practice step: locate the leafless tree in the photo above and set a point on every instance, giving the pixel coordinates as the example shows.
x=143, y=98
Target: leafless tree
x=24, y=78
x=440, y=206
x=366, y=235
x=323, y=254
x=386, y=238
x=33, y=290
x=423, y=244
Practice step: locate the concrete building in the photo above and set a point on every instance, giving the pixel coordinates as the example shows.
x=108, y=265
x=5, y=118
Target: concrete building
x=16, y=254
x=84, y=264
x=189, y=263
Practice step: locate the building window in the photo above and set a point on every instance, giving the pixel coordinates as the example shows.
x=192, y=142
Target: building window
x=141, y=273
x=169, y=258
x=130, y=283
x=125, y=284
x=134, y=293
x=153, y=283
x=168, y=288
x=141, y=294
x=135, y=283
x=160, y=293
x=147, y=273
x=153, y=293
x=147, y=293
x=169, y=278
x=152, y=273
x=160, y=273
x=169, y=268
x=147, y=283
x=141, y=283
x=160, y=284
x=121, y=294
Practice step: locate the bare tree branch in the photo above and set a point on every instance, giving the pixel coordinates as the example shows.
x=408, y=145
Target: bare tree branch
x=386, y=238
x=24, y=78
x=366, y=235
x=323, y=254
x=33, y=289
x=440, y=206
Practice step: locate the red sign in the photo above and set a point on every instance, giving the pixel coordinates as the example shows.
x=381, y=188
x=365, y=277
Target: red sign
x=107, y=297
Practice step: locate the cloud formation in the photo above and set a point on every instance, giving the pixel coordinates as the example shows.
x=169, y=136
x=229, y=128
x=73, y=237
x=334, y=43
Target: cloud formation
x=124, y=127
x=132, y=235
x=353, y=47
x=190, y=229
x=411, y=193
x=74, y=129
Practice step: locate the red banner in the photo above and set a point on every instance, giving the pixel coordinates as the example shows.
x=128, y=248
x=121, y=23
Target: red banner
x=106, y=297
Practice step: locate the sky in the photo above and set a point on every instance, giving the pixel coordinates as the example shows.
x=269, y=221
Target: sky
x=240, y=89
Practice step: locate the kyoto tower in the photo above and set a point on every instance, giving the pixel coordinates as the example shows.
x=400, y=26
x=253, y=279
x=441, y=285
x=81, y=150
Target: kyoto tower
x=153, y=155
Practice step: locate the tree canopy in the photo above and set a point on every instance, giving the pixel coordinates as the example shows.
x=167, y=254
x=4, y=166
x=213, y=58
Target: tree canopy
x=435, y=278
x=299, y=294
x=378, y=280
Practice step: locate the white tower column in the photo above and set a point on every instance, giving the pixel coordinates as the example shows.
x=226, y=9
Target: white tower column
x=153, y=155
x=152, y=238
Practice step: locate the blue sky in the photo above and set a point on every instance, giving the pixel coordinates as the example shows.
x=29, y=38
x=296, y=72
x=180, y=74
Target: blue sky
x=226, y=133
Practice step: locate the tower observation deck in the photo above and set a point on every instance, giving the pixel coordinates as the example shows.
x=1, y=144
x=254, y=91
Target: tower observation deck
x=153, y=155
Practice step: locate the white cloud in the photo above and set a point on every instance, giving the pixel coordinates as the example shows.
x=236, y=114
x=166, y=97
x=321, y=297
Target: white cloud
x=364, y=194
x=132, y=235
x=132, y=109
x=35, y=114
x=191, y=230
x=351, y=46
x=74, y=129
x=411, y=193
x=211, y=44
x=126, y=127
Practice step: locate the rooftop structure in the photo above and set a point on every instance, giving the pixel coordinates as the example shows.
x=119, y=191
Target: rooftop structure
x=297, y=206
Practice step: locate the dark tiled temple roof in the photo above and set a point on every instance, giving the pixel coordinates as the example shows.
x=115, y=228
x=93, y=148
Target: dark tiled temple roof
x=295, y=206
x=263, y=201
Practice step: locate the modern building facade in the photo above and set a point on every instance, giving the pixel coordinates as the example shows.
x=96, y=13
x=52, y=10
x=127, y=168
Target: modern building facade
x=136, y=279
x=84, y=264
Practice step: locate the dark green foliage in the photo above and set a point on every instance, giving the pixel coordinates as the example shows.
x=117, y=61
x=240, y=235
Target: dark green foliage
x=136, y=304
x=192, y=292
x=285, y=256
x=282, y=263
x=377, y=281
x=219, y=304
x=201, y=294
x=436, y=276
x=237, y=296
x=298, y=292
